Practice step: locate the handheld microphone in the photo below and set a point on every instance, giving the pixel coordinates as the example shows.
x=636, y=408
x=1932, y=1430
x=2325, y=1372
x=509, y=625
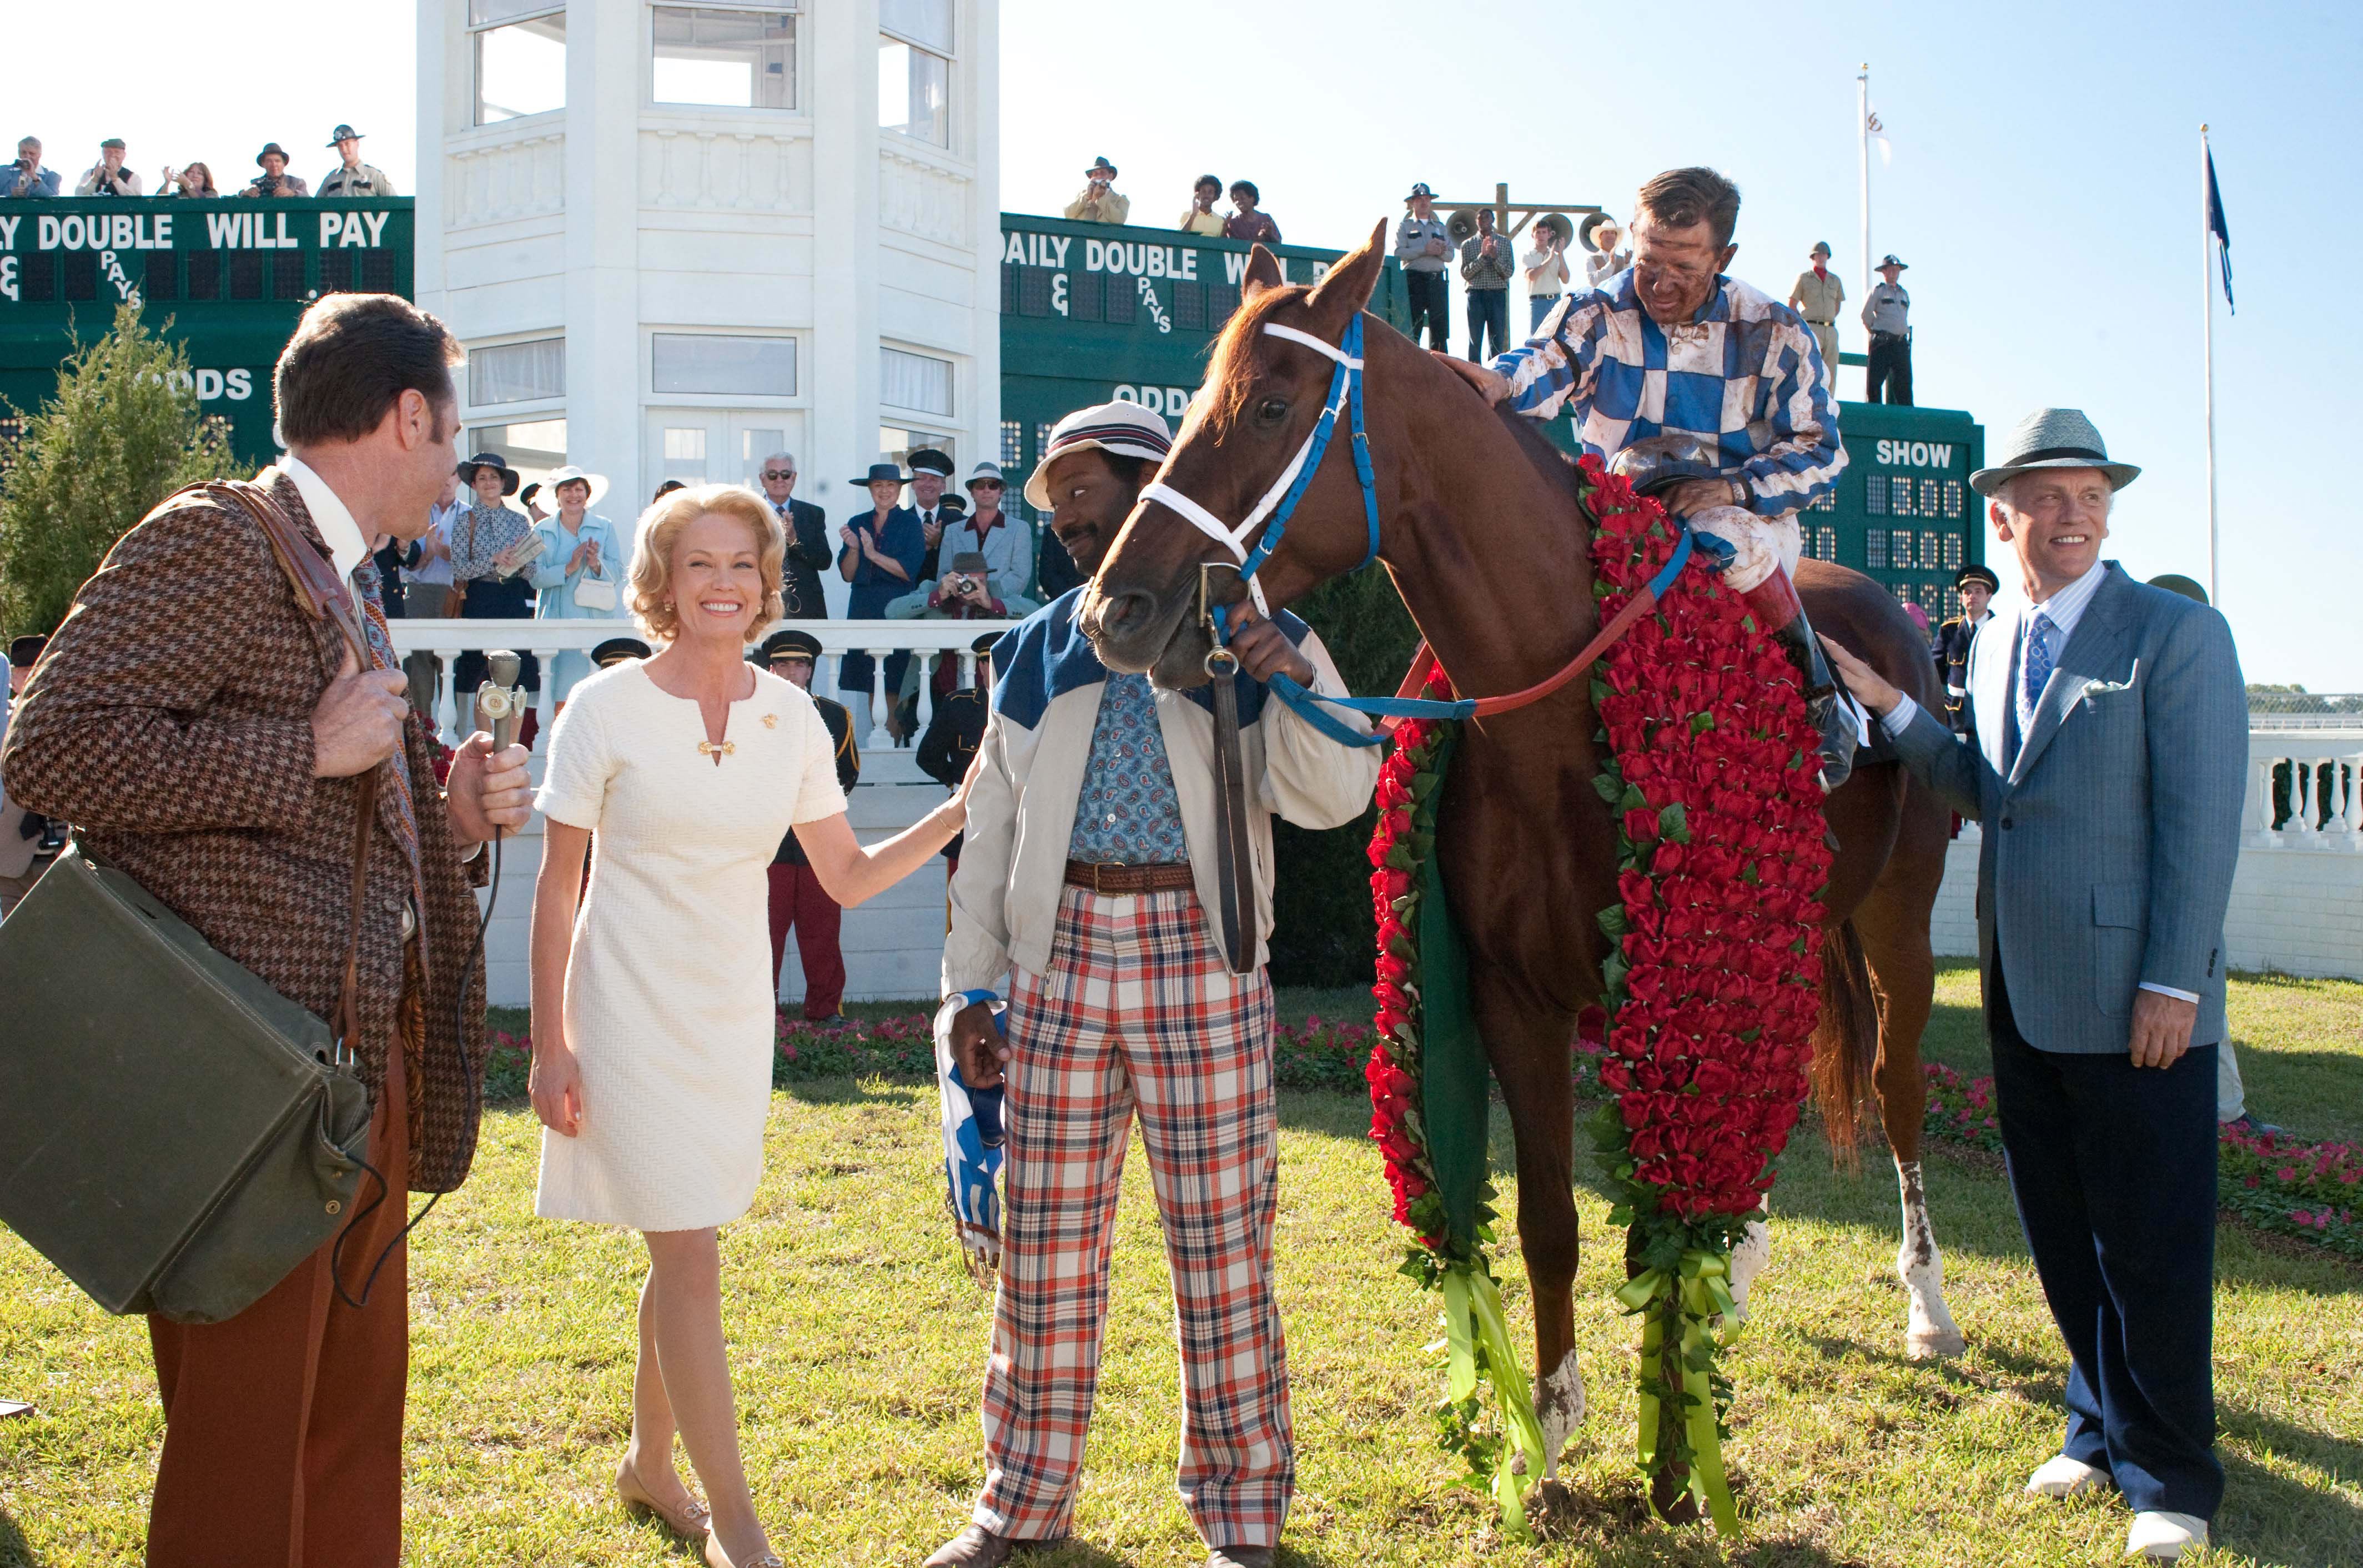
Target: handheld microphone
x=500, y=701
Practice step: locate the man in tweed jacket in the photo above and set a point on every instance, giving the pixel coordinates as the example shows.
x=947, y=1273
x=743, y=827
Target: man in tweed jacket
x=2106, y=754
x=207, y=736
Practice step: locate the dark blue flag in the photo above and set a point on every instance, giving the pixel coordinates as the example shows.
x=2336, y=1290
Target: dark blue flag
x=2215, y=226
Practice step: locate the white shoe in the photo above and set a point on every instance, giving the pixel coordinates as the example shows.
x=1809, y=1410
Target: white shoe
x=2060, y=1476
x=2163, y=1537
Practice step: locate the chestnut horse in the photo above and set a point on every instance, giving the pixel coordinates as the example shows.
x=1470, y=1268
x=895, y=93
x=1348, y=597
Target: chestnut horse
x=1482, y=532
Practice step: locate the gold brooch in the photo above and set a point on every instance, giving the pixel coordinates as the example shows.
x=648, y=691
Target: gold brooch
x=708, y=749
x=771, y=721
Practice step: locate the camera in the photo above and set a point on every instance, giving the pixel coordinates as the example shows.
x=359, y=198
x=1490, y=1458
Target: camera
x=268, y=184
x=963, y=584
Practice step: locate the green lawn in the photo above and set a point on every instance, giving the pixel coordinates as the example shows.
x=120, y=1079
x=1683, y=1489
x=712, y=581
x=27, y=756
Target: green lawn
x=857, y=1342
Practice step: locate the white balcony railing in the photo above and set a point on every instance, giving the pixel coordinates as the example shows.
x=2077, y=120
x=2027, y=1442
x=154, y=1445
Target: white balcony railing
x=2322, y=792
x=546, y=639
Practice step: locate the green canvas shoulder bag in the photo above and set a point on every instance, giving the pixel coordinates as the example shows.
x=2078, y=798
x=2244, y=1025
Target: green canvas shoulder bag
x=175, y=1135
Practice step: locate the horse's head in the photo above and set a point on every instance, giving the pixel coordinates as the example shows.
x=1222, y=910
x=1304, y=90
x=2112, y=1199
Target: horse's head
x=1264, y=394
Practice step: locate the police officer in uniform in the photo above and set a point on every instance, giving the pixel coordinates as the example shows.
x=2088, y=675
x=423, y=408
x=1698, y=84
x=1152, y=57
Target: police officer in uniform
x=797, y=899
x=1976, y=585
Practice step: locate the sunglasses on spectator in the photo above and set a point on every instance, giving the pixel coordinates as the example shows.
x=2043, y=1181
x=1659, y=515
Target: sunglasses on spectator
x=986, y=485
x=778, y=474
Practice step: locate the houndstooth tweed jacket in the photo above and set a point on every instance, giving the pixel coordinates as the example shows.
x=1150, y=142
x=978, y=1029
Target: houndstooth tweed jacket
x=170, y=721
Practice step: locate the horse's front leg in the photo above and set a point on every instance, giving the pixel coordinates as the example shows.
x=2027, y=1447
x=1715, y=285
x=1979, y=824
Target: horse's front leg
x=1530, y=1046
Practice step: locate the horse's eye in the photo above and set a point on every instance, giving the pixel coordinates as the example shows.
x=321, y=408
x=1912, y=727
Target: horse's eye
x=1272, y=410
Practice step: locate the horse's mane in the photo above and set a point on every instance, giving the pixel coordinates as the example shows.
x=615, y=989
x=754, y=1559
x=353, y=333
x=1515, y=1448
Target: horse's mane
x=1230, y=368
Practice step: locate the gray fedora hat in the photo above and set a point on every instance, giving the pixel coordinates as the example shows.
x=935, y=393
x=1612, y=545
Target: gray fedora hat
x=2052, y=438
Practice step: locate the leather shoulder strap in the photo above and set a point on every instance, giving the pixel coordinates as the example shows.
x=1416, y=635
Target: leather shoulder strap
x=322, y=595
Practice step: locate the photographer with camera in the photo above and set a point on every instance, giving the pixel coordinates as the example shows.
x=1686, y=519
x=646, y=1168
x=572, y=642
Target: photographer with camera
x=26, y=177
x=964, y=593
x=275, y=180
x=1098, y=202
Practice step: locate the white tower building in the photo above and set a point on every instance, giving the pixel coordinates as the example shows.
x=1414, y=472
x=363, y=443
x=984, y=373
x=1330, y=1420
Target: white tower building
x=677, y=237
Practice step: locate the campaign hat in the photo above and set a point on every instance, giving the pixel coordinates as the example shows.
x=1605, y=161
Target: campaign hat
x=616, y=649
x=343, y=133
x=495, y=462
x=791, y=644
x=1889, y=260
x=927, y=460
x=1418, y=191
x=268, y=149
x=2052, y=438
x=2176, y=583
x=1973, y=572
x=571, y=474
x=25, y=652
x=1125, y=429
x=886, y=473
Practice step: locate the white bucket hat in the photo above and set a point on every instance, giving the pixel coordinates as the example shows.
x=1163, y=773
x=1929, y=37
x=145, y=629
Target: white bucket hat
x=1125, y=429
x=569, y=474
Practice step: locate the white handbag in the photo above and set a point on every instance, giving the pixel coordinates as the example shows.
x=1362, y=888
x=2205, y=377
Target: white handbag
x=594, y=593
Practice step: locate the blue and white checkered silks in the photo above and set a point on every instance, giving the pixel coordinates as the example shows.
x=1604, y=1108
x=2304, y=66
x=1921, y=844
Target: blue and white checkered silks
x=972, y=1144
x=1746, y=376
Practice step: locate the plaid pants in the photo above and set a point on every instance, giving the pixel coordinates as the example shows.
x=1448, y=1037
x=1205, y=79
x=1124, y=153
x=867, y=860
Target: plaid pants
x=1139, y=1012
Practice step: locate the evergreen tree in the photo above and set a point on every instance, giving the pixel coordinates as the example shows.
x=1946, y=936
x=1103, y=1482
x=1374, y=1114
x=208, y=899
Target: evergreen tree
x=123, y=432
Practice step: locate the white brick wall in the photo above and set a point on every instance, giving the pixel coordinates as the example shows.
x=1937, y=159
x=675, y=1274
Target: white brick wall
x=2299, y=911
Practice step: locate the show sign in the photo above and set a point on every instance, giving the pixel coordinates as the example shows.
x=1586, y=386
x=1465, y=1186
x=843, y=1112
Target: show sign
x=227, y=278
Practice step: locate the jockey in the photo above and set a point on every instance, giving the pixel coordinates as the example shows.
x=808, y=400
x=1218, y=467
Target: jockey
x=1707, y=393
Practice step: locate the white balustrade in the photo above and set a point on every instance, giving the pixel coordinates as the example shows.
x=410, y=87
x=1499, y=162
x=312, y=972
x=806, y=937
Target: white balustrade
x=547, y=639
x=2323, y=792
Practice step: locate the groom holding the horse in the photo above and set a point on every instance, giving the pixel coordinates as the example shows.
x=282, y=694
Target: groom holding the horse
x=1707, y=393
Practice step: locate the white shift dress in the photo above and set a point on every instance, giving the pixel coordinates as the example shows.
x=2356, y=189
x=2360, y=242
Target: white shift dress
x=669, y=994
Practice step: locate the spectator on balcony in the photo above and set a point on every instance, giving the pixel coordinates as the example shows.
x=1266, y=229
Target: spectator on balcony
x=1098, y=202
x=352, y=177
x=991, y=533
x=1423, y=246
x=275, y=180
x=965, y=593
x=1816, y=295
x=880, y=557
x=530, y=499
x=806, y=527
x=1600, y=234
x=427, y=591
x=1249, y=222
x=798, y=902
x=1485, y=268
x=1200, y=216
x=26, y=177
x=489, y=546
x=931, y=470
x=192, y=180
x=578, y=572
x=1545, y=267
x=108, y=177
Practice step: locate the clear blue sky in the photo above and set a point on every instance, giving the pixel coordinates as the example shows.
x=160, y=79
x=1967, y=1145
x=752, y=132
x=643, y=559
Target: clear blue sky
x=2043, y=187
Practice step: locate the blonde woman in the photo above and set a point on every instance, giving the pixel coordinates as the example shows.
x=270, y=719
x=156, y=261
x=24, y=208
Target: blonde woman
x=652, y=1003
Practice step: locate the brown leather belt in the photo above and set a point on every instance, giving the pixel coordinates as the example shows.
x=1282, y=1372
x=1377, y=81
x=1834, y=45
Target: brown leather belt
x=1123, y=880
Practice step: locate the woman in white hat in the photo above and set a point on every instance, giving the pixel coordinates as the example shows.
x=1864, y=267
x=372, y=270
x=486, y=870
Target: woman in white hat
x=579, y=566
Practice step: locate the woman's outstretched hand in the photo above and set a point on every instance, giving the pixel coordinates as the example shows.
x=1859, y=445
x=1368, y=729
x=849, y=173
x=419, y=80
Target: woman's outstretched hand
x=555, y=1082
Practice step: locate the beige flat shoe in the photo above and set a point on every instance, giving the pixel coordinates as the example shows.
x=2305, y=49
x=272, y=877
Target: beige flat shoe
x=688, y=1521
x=718, y=1558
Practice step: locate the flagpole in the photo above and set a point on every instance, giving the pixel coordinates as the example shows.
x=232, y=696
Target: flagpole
x=1862, y=164
x=2207, y=342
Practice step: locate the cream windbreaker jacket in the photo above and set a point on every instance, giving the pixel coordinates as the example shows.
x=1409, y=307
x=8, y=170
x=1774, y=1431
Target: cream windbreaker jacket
x=1021, y=815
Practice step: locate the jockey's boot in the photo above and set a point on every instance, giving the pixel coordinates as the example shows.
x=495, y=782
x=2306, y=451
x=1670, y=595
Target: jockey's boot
x=1774, y=604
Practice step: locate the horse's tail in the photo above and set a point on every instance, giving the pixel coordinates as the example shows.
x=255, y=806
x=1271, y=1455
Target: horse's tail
x=1845, y=1041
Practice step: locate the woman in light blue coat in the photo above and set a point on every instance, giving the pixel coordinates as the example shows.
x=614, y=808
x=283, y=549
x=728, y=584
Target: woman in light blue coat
x=581, y=559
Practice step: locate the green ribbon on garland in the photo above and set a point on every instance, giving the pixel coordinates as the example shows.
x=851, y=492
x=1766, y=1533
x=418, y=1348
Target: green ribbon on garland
x=1696, y=1291
x=1473, y=1317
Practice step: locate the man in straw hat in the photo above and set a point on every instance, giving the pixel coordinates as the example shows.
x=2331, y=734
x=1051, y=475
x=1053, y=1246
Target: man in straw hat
x=1709, y=394
x=1086, y=892
x=1816, y=295
x=2107, y=755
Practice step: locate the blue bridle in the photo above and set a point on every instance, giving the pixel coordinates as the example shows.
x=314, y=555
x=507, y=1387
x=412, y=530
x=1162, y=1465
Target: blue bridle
x=1273, y=512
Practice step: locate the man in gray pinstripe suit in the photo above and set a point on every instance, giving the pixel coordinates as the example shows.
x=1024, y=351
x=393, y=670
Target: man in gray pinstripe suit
x=2105, y=757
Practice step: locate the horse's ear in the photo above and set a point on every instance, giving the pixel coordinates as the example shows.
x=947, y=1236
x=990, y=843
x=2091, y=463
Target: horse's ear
x=1345, y=290
x=1263, y=272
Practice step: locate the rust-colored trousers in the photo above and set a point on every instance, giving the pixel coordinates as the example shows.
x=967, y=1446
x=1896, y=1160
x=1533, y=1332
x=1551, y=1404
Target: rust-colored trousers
x=283, y=1426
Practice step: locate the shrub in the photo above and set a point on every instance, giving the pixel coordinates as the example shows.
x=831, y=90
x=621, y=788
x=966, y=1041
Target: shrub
x=122, y=432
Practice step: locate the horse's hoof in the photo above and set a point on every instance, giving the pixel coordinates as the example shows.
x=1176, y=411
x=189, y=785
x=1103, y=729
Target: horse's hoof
x=1934, y=1344
x=1559, y=1407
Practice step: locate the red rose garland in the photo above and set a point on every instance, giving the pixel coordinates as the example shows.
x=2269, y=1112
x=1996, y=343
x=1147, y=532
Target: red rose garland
x=1711, y=991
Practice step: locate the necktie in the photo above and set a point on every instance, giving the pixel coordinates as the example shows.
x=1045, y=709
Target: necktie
x=2035, y=669
x=382, y=657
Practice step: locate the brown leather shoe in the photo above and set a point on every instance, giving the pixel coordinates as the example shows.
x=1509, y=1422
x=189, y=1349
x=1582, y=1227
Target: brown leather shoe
x=977, y=1547
x=1239, y=1557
